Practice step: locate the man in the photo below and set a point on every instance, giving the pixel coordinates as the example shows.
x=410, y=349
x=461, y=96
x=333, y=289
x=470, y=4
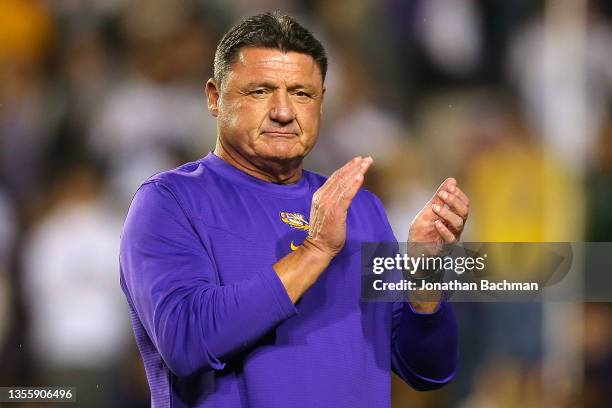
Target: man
x=239, y=299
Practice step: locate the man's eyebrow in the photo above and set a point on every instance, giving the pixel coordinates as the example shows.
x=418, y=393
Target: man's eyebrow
x=270, y=85
x=265, y=84
x=308, y=87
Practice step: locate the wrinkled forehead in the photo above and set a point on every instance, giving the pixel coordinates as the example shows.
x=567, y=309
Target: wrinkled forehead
x=255, y=63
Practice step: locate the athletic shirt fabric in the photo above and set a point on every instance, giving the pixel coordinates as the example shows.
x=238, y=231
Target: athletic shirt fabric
x=214, y=324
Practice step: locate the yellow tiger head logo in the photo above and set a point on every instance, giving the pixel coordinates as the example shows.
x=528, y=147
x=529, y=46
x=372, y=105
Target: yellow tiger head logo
x=295, y=220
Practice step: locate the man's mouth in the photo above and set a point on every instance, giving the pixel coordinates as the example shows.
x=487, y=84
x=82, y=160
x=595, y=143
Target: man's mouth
x=280, y=134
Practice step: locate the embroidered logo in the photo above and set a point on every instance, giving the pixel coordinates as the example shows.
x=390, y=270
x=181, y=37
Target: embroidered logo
x=295, y=220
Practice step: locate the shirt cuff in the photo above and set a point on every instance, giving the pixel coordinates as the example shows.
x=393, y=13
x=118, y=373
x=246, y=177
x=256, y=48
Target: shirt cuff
x=425, y=320
x=286, y=307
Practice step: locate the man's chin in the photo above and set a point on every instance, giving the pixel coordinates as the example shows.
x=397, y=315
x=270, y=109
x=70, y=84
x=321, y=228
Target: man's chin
x=281, y=159
x=281, y=155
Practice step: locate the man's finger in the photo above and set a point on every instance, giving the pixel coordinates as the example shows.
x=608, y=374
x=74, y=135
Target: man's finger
x=347, y=186
x=331, y=183
x=446, y=184
x=354, y=183
x=456, y=190
x=338, y=181
x=342, y=172
x=445, y=233
x=452, y=219
x=349, y=166
x=454, y=203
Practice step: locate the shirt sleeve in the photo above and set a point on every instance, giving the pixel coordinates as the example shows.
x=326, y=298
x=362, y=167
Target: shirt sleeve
x=195, y=323
x=424, y=347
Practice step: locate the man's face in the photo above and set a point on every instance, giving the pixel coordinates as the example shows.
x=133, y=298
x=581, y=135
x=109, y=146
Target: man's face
x=269, y=106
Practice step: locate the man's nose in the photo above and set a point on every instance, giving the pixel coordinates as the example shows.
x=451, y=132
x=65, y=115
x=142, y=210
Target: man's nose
x=282, y=109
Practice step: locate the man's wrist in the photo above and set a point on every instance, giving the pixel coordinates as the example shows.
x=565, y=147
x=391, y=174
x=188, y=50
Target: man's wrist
x=428, y=306
x=316, y=252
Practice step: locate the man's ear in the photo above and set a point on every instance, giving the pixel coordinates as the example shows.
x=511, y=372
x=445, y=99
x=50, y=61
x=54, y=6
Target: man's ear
x=212, y=94
x=322, y=99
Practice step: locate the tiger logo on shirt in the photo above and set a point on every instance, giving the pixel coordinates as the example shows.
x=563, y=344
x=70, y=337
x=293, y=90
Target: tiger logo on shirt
x=295, y=220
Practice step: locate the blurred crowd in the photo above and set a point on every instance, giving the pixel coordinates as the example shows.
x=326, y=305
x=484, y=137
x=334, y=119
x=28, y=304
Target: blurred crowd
x=511, y=98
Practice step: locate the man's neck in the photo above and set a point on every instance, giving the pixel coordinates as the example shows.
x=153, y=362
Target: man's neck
x=271, y=172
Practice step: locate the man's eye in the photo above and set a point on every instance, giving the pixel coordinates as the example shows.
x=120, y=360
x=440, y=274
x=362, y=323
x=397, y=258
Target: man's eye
x=301, y=94
x=258, y=92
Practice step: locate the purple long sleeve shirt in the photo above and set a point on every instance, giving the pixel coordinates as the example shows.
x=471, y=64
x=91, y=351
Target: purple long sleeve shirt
x=214, y=323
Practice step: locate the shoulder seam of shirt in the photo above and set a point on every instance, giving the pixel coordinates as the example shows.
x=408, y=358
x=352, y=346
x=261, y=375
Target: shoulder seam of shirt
x=160, y=183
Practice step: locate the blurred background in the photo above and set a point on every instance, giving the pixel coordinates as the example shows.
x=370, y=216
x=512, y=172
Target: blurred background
x=513, y=98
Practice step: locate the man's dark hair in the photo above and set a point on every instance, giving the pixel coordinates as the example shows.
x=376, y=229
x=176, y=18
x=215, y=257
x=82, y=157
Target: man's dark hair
x=267, y=30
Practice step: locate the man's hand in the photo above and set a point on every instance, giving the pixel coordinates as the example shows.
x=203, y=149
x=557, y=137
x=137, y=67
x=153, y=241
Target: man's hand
x=327, y=234
x=330, y=204
x=442, y=219
x=440, y=222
